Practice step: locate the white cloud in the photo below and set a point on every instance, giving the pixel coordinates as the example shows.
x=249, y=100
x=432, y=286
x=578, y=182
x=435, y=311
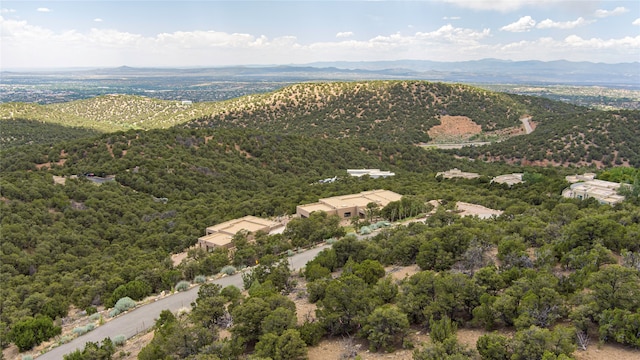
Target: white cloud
x=594, y=49
x=344, y=34
x=500, y=5
x=454, y=35
x=7, y=11
x=23, y=44
x=523, y=24
x=451, y=18
x=43, y=9
x=550, y=24
x=636, y=22
x=97, y=20
x=600, y=44
x=601, y=13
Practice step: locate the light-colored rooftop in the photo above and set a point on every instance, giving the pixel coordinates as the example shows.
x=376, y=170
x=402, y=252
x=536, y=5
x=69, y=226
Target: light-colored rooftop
x=374, y=173
x=508, y=179
x=316, y=207
x=359, y=200
x=381, y=197
x=584, y=177
x=467, y=209
x=603, y=191
x=217, y=239
x=457, y=173
x=249, y=223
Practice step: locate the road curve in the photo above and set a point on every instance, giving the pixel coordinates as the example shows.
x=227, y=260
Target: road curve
x=527, y=126
x=143, y=317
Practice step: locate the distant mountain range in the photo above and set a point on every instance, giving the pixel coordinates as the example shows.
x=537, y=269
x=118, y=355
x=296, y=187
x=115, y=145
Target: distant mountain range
x=487, y=71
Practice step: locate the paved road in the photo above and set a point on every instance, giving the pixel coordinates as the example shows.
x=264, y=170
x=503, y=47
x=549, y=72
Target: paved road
x=144, y=317
x=527, y=126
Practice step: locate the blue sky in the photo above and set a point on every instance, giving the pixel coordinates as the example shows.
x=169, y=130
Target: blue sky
x=53, y=34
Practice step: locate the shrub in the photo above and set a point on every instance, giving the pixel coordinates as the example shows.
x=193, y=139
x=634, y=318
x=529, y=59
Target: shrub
x=27, y=357
x=124, y=304
x=91, y=310
x=199, y=279
x=94, y=317
x=182, y=285
x=64, y=339
x=311, y=333
x=135, y=289
x=32, y=331
x=119, y=340
x=231, y=293
x=229, y=270
x=80, y=330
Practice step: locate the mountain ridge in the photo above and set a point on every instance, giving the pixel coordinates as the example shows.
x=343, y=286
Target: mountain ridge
x=480, y=71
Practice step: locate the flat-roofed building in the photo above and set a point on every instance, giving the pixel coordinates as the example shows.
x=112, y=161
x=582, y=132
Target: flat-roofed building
x=221, y=235
x=457, y=173
x=509, y=179
x=373, y=173
x=346, y=206
x=606, y=192
x=578, y=178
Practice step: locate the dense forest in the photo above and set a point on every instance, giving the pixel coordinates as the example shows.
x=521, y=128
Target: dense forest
x=552, y=272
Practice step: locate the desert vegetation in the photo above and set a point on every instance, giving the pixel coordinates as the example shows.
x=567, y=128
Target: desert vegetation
x=549, y=274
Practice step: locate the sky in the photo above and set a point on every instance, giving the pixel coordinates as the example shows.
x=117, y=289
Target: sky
x=153, y=33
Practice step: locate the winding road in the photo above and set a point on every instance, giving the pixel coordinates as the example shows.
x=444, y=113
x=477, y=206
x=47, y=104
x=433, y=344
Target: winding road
x=142, y=318
x=527, y=126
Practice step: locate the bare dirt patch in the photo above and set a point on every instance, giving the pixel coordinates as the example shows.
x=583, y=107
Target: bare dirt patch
x=454, y=127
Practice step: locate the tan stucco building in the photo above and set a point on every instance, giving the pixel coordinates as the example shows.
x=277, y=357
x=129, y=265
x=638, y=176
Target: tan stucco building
x=346, y=206
x=457, y=173
x=220, y=235
x=606, y=192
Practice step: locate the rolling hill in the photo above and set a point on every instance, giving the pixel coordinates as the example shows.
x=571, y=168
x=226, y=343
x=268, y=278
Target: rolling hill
x=408, y=112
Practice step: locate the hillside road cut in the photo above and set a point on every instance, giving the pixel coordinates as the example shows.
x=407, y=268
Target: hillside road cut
x=143, y=317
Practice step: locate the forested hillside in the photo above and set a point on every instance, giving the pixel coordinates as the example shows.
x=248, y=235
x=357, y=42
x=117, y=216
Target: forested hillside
x=399, y=111
x=84, y=245
x=28, y=132
x=387, y=111
x=548, y=268
x=582, y=138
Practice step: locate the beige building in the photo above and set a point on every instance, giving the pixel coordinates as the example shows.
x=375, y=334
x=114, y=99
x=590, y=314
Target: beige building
x=346, y=206
x=509, y=179
x=457, y=173
x=373, y=173
x=606, y=192
x=220, y=235
x=577, y=178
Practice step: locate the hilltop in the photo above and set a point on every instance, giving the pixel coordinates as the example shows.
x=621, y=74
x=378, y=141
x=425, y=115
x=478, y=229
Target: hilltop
x=407, y=112
x=398, y=111
x=108, y=113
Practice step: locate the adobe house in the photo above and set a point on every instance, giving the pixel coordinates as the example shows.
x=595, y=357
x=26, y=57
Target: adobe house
x=606, y=192
x=509, y=179
x=346, y=206
x=373, y=173
x=587, y=186
x=221, y=235
x=457, y=173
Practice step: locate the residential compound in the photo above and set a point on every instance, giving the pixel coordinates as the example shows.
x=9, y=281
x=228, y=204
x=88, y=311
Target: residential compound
x=509, y=179
x=221, y=235
x=346, y=206
x=373, y=173
x=457, y=173
x=587, y=186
